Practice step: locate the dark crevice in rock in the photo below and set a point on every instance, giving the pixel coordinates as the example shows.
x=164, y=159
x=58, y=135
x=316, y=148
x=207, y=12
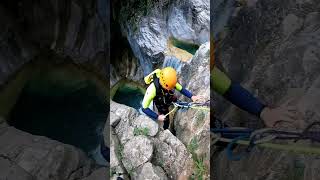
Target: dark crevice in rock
x=59, y=101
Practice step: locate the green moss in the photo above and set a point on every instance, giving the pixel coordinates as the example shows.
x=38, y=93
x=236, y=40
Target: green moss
x=112, y=171
x=141, y=131
x=200, y=168
x=119, y=152
x=200, y=118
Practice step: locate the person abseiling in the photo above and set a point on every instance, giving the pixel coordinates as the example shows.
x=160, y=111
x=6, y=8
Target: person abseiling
x=162, y=83
x=243, y=99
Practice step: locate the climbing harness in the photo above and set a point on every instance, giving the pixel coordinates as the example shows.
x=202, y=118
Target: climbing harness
x=262, y=138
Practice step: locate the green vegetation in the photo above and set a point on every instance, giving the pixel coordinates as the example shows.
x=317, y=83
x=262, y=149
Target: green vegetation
x=112, y=171
x=193, y=145
x=130, y=171
x=141, y=131
x=200, y=118
x=119, y=152
x=200, y=168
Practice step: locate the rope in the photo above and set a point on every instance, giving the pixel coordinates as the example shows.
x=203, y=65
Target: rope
x=171, y=111
x=286, y=147
x=262, y=138
x=187, y=105
x=193, y=105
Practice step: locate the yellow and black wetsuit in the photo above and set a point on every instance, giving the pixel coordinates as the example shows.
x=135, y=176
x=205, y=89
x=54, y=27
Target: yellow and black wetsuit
x=235, y=93
x=162, y=98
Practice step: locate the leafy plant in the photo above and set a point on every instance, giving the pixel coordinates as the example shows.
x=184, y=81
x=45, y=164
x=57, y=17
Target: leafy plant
x=200, y=168
x=193, y=145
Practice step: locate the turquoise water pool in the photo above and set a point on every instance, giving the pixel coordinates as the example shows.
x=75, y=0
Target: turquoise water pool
x=189, y=47
x=129, y=96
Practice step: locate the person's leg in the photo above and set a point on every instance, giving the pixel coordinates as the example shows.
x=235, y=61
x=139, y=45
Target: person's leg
x=163, y=109
x=166, y=122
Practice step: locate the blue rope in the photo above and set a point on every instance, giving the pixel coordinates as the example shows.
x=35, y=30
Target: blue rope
x=232, y=133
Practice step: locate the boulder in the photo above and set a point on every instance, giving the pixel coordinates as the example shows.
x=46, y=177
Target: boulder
x=136, y=152
x=171, y=155
x=40, y=157
x=149, y=172
x=144, y=122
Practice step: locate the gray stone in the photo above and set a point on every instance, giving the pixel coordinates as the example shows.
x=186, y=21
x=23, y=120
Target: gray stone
x=114, y=119
x=171, y=155
x=187, y=21
x=290, y=24
x=179, y=27
x=11, y=171
x=124, y=132
x=149, y=172
x=143, y=121
x=126, y=113
x=192, y=77
x=136, y=152
x=99, y=174
x=116, y=151
x=43, y=158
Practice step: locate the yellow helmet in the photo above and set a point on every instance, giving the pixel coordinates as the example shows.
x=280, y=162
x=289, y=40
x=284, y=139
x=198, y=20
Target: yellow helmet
x=168, y=78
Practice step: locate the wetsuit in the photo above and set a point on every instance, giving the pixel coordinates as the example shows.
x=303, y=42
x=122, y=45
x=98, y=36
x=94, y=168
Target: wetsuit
x=235, y=93
x=162, y=99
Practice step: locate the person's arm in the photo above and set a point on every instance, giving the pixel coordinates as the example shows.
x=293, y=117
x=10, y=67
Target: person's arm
x=148, y=97
x=183, y=91
x=235, y=93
